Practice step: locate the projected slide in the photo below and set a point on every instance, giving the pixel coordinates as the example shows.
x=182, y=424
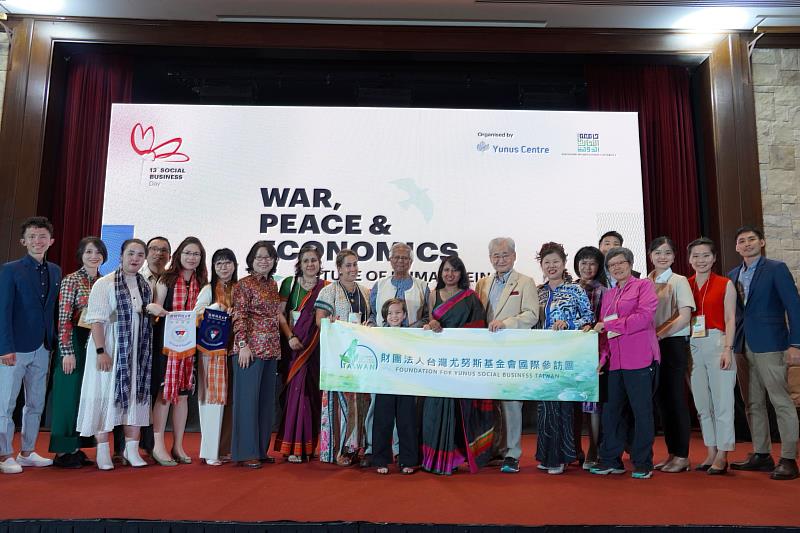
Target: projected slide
x=443, y=180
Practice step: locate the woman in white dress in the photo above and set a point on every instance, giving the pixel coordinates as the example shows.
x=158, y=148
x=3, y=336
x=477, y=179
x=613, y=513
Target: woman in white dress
x=116, y=380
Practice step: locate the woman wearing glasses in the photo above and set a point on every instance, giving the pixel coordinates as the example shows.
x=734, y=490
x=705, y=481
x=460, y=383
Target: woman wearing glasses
x=629, y=354
x=173, y=374
x=214, y=379
x=256, y=342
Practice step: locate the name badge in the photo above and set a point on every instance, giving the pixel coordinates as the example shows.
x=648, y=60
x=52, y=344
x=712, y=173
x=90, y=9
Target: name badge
x=611, y=334
x=354, y=318
x=699, y=326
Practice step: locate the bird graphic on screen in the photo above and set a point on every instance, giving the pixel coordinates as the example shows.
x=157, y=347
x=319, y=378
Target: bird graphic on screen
x=416, y=197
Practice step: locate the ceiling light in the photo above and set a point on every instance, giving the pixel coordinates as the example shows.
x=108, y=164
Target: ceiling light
x=385, y=22
x=714, y=18
x=33, y=7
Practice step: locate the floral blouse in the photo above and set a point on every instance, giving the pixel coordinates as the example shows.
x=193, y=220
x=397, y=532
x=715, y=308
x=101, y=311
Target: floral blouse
x=73, y=298
x=256, y=306
x=567, y=302
x=594, y=291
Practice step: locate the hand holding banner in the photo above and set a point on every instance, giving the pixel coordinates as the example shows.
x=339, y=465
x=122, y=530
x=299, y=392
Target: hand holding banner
x=510, y=364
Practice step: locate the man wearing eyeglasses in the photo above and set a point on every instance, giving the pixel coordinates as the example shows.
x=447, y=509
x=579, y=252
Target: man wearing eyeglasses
x=158, y=252
x=415, y=292
x=511, y=301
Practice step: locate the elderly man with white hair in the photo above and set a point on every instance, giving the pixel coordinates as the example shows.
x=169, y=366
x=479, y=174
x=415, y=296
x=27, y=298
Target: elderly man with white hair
x=511, y=301
x=403, y=286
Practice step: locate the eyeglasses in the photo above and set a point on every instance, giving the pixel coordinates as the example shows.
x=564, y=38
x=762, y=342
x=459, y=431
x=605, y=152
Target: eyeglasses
x=499, y=257
x=222, y=264
x=191, y=254
x=617, y=264
x=400, y=258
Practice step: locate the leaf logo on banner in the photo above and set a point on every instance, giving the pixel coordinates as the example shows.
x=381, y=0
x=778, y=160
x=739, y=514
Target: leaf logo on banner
x=143, y=142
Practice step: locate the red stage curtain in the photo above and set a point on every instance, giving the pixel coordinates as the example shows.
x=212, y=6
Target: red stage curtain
x=660, y=94
x=94, y=82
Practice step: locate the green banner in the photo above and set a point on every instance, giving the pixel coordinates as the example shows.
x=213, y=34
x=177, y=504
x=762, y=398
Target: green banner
x=510, y=364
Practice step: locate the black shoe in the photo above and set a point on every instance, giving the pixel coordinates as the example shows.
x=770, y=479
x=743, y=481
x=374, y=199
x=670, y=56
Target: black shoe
x=702, y=468
x=510, y=465
x=717, y=471
x=366, y=461
x=786, y=469
x=85, y=461
x=67, y=460
x=755, y=462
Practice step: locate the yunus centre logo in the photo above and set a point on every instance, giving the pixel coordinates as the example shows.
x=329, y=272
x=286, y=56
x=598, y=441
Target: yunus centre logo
x=482, y=146
x=360, y=357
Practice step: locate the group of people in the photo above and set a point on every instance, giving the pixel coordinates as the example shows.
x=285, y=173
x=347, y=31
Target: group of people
x=113, y=374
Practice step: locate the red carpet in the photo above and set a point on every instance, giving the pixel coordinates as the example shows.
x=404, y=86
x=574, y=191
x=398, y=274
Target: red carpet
x=318, y=492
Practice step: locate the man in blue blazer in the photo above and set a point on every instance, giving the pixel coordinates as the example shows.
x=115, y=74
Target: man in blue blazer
x=768, y=334
x=28, y=295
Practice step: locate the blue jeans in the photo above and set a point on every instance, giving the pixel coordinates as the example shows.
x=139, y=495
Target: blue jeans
x=633, y=387
x=31, y=370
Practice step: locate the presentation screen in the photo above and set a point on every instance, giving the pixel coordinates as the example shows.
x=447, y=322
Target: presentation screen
x=445, y=181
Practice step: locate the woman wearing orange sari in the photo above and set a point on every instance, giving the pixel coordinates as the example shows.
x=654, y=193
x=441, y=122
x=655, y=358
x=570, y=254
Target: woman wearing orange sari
x=300, y=397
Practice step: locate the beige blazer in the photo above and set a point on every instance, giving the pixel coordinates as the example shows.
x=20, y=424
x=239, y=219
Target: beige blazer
x=518, y=306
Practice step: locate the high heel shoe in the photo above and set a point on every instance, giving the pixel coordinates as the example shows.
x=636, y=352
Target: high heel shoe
x=164, y=462
x=678, y=464
x=182, y=459
x=717, y=471
x=702, y=467
x=131, y=454
x=103, y=458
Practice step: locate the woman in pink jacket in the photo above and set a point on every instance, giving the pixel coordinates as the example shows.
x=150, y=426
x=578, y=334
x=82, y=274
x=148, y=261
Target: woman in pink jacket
x=630, y=355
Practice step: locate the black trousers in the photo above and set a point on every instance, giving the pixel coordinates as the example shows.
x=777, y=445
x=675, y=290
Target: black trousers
x=634, y=387
x=673, y=406
x=403, y=409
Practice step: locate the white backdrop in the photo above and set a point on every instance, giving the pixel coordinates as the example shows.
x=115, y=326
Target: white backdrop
x=443, y=180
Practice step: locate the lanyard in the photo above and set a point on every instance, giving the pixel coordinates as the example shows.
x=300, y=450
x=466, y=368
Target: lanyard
x=705, y=292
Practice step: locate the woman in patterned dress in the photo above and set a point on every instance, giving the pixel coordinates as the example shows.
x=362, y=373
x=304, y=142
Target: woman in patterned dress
x=563, y=305
x=73, y=334
x=342, y=432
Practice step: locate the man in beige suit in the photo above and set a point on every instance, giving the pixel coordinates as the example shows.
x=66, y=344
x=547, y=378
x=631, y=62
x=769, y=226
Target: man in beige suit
x=511, y=301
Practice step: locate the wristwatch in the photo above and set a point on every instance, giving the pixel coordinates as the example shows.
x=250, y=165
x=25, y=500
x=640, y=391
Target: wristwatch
x=100, y=350
x=242, y=344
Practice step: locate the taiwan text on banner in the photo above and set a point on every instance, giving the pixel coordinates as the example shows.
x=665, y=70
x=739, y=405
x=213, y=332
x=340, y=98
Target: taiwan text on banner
x=510, y=364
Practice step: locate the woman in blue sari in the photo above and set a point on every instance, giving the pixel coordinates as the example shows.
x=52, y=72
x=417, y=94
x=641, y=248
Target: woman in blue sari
x=455, y=431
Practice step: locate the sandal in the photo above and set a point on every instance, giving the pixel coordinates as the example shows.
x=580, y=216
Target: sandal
x=295, y=459
x=407, y=470
x=382, y=470
x=344, y=460
x=251, y=463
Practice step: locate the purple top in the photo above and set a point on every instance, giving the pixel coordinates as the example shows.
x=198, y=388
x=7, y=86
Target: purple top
x=635, y=306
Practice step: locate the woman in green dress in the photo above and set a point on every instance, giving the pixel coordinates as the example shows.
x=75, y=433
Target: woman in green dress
x=73, y=335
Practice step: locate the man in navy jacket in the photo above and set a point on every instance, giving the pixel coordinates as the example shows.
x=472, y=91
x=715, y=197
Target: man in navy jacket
x=28, y=295
x=768, y=334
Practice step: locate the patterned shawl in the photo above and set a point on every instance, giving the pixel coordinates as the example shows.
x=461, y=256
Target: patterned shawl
x=144, y=354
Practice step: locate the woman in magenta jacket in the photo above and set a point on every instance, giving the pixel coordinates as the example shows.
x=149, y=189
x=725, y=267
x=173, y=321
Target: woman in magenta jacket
x=630, y=355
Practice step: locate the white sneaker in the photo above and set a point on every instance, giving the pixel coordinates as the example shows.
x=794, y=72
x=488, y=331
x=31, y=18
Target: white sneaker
x=34, y=459
x=557, y=470
x=10, y=466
